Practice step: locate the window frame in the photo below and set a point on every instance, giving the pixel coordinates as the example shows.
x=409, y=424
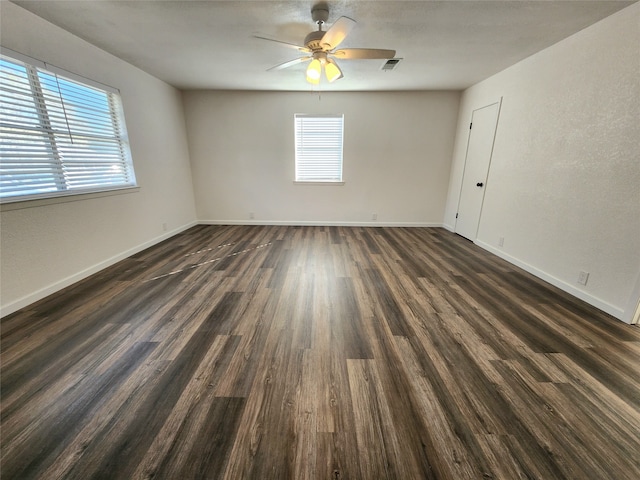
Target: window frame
x=310, y=179
x=82, y=132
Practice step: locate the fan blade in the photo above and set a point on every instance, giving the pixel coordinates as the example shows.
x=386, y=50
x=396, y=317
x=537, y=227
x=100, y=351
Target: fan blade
x=337, y=33
x=290, y=63
x=364, y=53
x=287, y=44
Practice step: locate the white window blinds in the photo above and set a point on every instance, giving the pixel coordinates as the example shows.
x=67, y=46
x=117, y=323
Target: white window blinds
x=58, y=136
x=319, y=147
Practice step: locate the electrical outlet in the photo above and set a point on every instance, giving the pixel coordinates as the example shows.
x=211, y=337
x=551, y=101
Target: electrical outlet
x=251, y=216
x=583, y=277
x=501, y=242
x=374, y=216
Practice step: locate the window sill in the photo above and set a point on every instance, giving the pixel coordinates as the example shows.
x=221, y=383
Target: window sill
x=9, y=205
x=319, y=183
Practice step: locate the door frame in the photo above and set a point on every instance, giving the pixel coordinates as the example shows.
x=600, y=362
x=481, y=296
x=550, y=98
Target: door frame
x=466, y=154
x=632, y=312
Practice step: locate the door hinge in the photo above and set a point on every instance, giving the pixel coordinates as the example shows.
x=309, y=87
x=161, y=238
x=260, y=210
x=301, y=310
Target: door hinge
x=456, y=215
x=470, y=125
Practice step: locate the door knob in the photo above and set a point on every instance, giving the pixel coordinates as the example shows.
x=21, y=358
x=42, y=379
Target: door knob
x=479, y=184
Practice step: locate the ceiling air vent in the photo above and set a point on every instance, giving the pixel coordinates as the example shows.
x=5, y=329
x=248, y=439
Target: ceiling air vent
x=391, y=64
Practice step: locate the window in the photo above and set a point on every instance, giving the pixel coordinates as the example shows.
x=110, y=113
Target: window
x=58, y=136
x=319, y=148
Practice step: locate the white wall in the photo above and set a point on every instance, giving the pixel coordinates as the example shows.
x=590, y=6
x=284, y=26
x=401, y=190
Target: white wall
x=397, y=157
x=45, y=248
x=563, y=188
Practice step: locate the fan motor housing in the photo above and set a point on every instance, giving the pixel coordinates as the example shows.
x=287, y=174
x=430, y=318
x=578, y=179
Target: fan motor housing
x=312, y=41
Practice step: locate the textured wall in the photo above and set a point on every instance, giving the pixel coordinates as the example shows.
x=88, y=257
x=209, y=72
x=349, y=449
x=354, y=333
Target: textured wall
x=397, y=157
x=563, y=183
x=48, y=247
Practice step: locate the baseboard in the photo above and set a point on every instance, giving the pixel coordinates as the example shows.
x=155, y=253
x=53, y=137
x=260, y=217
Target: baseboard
x=556, y=282
x=42, y=293
x=451, y=228
x=65, y=282
x=313, y=223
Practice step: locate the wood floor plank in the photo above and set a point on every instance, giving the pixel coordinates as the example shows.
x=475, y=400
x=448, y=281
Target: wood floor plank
x=449, y=456
x=204, y=445
x=506, y=465
x=68, y=416
x=266, y=435
x=277, y=352
x=535, y=411
x=180, y=435
x=242, y=369
x=396, y=386
x=369, y=410
x=306, y=420
x=601, y=400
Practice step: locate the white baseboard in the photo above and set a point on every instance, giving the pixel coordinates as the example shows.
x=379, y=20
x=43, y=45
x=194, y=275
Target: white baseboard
x=70, y=280
x=561, y=284
x=48, y=290
x=451, y=228
x=305, y=223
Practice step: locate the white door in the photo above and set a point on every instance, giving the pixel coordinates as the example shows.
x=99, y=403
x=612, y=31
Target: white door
x=476, y=169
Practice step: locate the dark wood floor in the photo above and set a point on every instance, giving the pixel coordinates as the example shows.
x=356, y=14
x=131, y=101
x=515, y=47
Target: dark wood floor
x=238, y=352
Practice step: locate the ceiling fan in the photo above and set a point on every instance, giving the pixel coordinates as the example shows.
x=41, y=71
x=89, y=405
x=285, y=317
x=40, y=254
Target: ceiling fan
x=320, y=47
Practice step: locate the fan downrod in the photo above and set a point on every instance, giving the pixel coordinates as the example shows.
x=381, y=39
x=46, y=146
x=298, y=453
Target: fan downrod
x=320, y=15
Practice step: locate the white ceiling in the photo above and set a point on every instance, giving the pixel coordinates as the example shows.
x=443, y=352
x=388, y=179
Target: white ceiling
x=210, y=45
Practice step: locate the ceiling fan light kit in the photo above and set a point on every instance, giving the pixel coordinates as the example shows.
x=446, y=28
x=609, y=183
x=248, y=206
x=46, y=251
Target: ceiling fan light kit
x=332, y=71
x=313, y=71
x=320, y=46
